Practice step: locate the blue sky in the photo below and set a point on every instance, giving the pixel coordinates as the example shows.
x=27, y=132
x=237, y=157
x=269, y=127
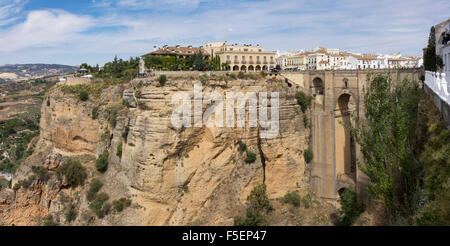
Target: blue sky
x=93, y=31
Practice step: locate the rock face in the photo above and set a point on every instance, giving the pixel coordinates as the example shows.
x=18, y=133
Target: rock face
x=174, y=176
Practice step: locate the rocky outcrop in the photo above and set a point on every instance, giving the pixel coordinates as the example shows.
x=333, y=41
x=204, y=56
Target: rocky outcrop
x=173, y=176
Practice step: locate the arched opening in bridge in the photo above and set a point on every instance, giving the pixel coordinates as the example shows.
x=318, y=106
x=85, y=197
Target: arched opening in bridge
x=250, y=68
x=243, y=68
x=236, y=68
x=345, y=150
x=318, y=86
x=258, y=68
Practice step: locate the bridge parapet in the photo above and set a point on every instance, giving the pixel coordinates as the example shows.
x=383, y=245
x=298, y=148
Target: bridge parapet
x=438, y=86
x=439, y=83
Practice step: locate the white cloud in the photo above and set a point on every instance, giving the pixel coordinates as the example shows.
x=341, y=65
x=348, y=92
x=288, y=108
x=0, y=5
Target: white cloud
x=10, y=9
x=171, y=5
x=44, y=28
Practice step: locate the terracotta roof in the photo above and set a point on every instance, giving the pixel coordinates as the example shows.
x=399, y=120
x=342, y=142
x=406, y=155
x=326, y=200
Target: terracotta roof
x=178, y=50
x=365, y=57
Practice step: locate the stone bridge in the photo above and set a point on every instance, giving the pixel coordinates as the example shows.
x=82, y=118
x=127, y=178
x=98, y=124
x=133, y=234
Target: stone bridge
x=337, y=95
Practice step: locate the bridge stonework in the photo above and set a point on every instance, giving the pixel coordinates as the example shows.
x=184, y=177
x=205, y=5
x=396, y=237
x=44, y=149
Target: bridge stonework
x=337, y=96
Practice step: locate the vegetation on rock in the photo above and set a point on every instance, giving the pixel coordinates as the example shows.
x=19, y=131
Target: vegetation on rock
x=303, y=100
x=257, y=209
x=292, y=198
x=251, y=157
x=308, y=155
x=121, y=204
x=350, y=208
x=73, y=172
x=102, y=162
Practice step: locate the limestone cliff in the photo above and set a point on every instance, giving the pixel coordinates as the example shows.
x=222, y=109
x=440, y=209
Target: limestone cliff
x=172, y=176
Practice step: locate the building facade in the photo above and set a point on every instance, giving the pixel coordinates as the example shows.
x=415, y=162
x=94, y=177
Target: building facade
x=246, y=58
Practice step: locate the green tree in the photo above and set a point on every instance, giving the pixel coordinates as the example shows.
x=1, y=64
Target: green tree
x=431, y=61
x=73, y=172
x=386, y=136
x=199, y=62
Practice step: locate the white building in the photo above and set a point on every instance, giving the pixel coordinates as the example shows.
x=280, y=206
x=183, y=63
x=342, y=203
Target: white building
x=321, y=58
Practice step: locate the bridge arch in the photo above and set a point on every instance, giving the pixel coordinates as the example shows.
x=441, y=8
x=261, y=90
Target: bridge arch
x=345, y=145
x=318, y=86
x=236, y=68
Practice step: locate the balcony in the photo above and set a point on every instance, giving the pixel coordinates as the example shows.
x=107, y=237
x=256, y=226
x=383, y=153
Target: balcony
x=439, y=84
x=228, y=61
x=244, y=62
x=236, y=61
x=251, y=62
x=258, y=62
x=265, y=62
x=272, y=62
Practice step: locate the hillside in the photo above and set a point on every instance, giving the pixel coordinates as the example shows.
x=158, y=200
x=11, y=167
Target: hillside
x=27, y=71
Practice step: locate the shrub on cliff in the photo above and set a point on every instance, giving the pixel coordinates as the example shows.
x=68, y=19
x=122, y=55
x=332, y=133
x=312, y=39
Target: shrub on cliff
x=83, y=95
x=292, y=198
x=48, y=221
x=231, y=75
x=113, y=117
x=41, y=173
x=95, y=113
x=241, y=75
x=303, y=100
x=73, y=172
x=99, y=205
x=119, y=150
x=162, y=79
x=102, y=162
x=70, y=214
x=251, y=157
x=121, y=204
x=258, y=207
x=94, y=188
x=308, y=155
x=305, y=121
x=350, y=208
x=242, y=146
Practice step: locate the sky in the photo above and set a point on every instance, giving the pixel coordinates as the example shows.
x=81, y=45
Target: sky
x=94, y=31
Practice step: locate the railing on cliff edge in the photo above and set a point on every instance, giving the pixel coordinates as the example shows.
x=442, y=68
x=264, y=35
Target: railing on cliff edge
x=439, y=83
